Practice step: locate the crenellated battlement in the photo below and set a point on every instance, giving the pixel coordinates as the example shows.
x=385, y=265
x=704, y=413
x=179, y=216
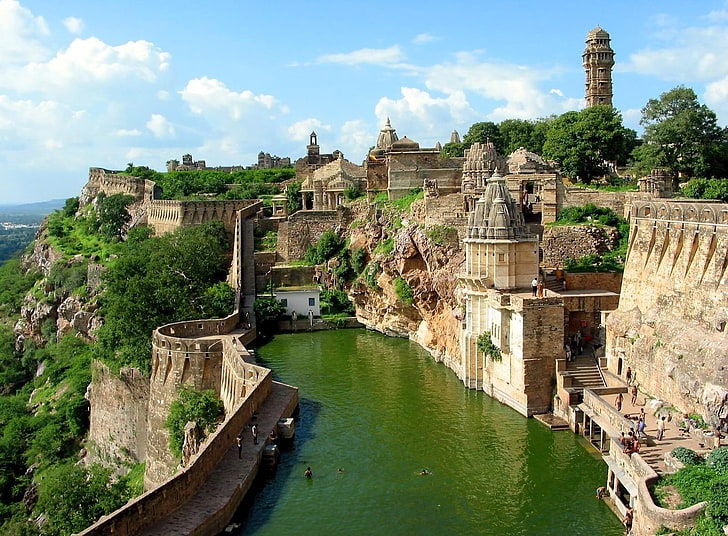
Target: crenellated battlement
x=204, y=355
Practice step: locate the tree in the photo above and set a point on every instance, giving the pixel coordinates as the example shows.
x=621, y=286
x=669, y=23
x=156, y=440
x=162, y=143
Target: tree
x=113, y=215
x=293, y=196
x=516, y=133
x=583, y=143
x=203, y=407
x=482, y=132
x=683, y=135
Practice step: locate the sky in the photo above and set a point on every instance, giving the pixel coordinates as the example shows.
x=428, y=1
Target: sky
x=85, y=83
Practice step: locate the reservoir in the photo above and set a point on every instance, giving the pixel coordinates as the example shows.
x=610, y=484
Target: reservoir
x=382, y=410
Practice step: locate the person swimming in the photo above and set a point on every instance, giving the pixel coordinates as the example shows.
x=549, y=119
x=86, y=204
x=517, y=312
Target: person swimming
x=425, y=472
x=308, y=473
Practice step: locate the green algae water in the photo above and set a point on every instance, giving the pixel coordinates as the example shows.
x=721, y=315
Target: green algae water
x=382, y=410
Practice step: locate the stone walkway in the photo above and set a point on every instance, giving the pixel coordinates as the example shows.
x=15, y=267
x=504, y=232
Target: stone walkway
x=225, y=483
x=651, y=450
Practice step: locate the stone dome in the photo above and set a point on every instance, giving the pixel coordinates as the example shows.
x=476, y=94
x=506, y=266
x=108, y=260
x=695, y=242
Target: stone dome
x=405, y=144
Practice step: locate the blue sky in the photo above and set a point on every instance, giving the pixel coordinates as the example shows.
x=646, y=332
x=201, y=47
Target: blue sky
x=87, y=83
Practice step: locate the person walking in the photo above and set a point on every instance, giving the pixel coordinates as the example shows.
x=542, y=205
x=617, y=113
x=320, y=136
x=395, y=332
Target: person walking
x=660, y=428
x=254, y=432
x=628, y=375
x=534, y=286
x=239, y=443
x=634, y=395
x=618, y=402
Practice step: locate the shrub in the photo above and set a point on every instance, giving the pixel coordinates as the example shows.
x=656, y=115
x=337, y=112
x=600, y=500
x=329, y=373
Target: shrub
x=485, y=345
x=385, y=247
x=358, y=260
x=687, y=456
x=718, y=460
x=329, y=245
x=403, y=290
x=336, y=302
x=202, y=407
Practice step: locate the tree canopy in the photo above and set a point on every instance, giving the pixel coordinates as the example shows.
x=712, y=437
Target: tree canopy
x=683, y=135
x=584, y=142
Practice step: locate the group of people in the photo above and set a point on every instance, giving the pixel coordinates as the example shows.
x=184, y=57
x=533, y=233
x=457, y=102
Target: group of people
x=537, y=287
x=630, y=443
x=272, y=438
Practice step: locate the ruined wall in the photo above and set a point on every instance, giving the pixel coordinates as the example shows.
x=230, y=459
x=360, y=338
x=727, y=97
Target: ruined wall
x=117, y=428
x=561, y=242
x=409, y=170
x=575, y=196
x=447, y=210
x=595, y=280
x=305, y=227
x=670, y=326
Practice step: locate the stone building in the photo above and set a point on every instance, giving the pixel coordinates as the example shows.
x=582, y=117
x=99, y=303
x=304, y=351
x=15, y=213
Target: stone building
x=313, y=160
x=266, y=161
x=399, y=165
x=325, y=188
x=501, y=260
x=598, y=60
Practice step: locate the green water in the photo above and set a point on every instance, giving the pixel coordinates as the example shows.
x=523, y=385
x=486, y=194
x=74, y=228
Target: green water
x=382, y=409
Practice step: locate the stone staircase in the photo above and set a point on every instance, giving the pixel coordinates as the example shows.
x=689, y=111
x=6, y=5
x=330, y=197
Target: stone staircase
x=584, y=372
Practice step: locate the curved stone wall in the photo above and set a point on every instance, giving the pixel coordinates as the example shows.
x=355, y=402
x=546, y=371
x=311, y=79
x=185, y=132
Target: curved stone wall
x=201, y=354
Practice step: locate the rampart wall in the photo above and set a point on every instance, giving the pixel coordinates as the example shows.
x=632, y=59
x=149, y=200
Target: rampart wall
x=164, y=499
x=111, y=182
x=189, y=354
x=167, y=215
x=670, y=326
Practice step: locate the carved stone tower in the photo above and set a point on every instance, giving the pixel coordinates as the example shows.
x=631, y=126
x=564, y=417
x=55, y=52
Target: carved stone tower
x=598, y=60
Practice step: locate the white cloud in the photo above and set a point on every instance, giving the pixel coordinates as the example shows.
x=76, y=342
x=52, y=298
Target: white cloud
x=20, y=31
x=163, y=94
x=73, y=24
x=514, y=85
x=160, y=126
x=300, y=130
x=423, y=38
x=556, y=92
x=693, y=54
x=376, y=56
x=211, y=97
x=419, y=112
x=128, y=132
x=355, y=139
x=91, y=61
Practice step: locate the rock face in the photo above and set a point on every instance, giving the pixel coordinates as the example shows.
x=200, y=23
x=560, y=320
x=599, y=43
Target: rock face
x=561, y=242
x=117, y=431
x=434, y=318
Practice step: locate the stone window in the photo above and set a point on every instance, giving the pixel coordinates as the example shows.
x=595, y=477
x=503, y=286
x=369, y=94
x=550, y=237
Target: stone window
x=311, y=302
x=284, y=302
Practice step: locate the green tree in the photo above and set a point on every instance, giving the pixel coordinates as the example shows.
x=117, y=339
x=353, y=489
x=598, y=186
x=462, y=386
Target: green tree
x=584, y=142
x=482, y=132
x=707, y=189
x=156, y=281
x=203, y=407
x=682, y=135
x=293, y=195
x=267, y=311
x=218, y=300
x=113, y=215
x=516, y=133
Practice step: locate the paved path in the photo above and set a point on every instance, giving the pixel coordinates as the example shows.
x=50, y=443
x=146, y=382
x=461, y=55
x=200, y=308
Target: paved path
x=653, y=452
x=231, y=473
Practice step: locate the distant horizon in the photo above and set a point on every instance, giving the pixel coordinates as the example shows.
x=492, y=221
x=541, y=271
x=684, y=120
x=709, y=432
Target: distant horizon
x=223, y=83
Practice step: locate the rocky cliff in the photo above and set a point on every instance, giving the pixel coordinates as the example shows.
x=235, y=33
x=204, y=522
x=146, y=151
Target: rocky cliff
x=427, y=260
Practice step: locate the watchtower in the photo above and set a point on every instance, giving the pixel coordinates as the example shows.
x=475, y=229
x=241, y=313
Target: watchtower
x=598, y=60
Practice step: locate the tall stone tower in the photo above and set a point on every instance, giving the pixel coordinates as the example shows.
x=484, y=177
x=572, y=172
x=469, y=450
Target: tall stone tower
x=598, y=60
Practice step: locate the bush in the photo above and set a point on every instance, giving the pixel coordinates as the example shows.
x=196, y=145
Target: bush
x=718, y=460
x=403, y=290
x=336, y=302
x=485, y=345
x=202, y=407
x=442, y=235
x=329, y=245
x=687, y=456
x=385, y=247
x=358, y=260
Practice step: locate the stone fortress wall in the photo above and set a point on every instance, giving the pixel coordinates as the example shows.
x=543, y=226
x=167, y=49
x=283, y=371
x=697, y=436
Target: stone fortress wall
x=670, y=326
x=203, y=354
x=163, y=215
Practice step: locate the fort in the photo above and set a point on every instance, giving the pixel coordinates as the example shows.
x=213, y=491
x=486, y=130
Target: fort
x=555, y=349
